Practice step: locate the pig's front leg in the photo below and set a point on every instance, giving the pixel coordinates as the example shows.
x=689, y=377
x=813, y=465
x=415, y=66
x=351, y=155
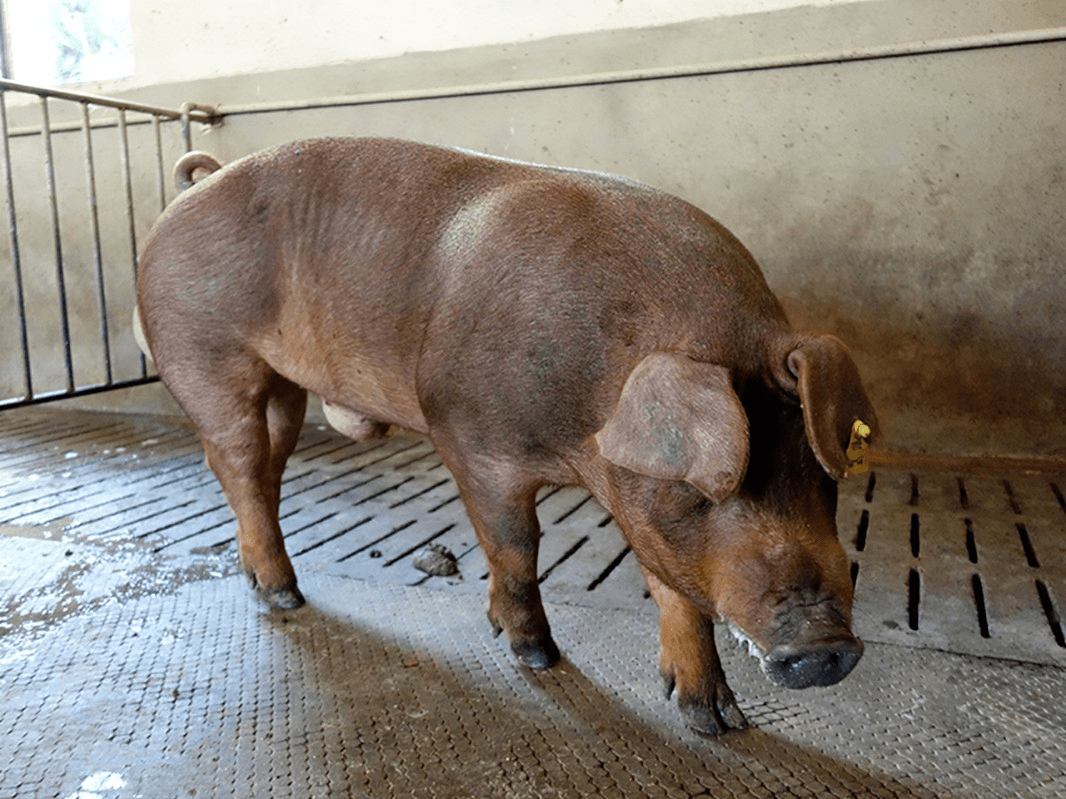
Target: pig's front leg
x=688, y=662
x=502, y=509
x=510, y=541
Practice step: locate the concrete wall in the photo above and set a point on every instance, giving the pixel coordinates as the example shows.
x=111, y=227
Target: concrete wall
x=199, y=39
x=912, y=204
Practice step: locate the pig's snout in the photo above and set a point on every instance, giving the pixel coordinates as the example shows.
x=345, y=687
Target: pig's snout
x=814, y=663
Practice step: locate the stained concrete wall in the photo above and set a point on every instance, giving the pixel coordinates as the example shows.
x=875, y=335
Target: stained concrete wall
x=201, y=39
x=911, y=204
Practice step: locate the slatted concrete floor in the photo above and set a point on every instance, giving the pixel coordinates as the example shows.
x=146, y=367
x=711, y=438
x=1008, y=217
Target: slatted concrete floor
x=135, y=663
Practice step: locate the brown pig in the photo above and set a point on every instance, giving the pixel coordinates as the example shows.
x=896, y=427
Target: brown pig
x=541, y=326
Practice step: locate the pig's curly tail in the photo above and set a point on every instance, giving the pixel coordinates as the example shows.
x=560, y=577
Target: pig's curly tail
x=190, y=163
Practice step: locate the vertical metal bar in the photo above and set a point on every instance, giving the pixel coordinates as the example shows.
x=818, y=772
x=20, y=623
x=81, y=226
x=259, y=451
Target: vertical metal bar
x=5, y=49
x=16, y=254
x=50, y=179
x=127, y=181
x=161, y=180
x=186, y=125
x=94, y=227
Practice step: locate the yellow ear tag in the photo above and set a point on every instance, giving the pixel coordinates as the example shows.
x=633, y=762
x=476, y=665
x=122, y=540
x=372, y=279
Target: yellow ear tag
x=857, y=447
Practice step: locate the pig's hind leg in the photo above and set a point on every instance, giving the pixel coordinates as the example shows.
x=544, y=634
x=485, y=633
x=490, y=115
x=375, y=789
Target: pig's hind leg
x=249, y=419
x=501, y=503
x=690, y=666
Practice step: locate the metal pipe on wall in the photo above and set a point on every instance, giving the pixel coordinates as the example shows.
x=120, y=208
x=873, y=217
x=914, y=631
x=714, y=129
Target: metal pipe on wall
x=847, y=55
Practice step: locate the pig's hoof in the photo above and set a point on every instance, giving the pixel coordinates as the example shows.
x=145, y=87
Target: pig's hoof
x=712, y=719
x=708, y=716
x=536, y=655
x=288, y=597
x=712, y=722
x=285, y=598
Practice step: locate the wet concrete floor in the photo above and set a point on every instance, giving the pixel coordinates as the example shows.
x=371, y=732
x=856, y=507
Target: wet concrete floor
x=135, y=663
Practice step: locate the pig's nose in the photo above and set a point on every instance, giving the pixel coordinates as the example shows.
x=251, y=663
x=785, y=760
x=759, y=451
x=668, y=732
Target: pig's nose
x=816, y=663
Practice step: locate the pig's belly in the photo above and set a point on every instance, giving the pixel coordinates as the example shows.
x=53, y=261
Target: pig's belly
x=357, y=391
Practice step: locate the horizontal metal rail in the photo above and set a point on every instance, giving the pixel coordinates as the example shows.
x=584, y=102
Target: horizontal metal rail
x=756, y=64
x=197, y=113
x=44, y=358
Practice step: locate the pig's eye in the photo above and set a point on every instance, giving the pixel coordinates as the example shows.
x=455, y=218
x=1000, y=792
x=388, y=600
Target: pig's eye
x=687, y=500
x=702, y=506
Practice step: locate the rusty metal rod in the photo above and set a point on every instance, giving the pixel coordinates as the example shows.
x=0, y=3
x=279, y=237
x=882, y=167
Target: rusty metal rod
x=53, y=204
x=161, y=170
x=195, y=112
x=131, y=222
x=75, y=126
x=755, y=64
x=94, y=231
x=186, y=125
x=16, y=255
x=54, y=396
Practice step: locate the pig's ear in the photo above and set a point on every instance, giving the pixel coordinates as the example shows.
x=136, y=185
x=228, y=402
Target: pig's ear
x=836, y=410
x=678, y=419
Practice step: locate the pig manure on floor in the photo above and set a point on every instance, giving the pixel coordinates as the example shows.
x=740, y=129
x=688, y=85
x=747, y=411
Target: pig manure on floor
x=436, y=560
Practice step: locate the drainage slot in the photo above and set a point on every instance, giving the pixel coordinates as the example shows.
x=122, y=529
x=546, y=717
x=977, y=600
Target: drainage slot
x=1027, y=546
x=551, y=492
x=417, y=494
x=854, y=573
x=383, y=491
x=179, y=522
x=564, y=557
x=971, y=543
x=1011, y=498
x=566, y=514
x=914, y=590
x=391, y=453
x=979, y=603
x=1058, y=496
x=915, y=538
x=418, y=546
x=333, y=537
x=914, y=491
x=414, y=460
x=1053, y=619
x=377, y=540
x=964, y=499
x=445, y=503
x=870, y=487
x=311, y=486
x=860, y=535
x=306, y=452
x=610, y=568
x=310, y=524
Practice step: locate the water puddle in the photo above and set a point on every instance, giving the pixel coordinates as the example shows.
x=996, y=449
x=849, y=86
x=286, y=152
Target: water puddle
x=101, y=785
x=49, y=574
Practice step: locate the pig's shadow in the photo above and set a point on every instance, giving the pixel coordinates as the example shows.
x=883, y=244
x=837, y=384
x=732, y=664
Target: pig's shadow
x=727, y=765
x=411, y=719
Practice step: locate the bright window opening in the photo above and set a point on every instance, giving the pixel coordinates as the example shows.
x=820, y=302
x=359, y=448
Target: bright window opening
x=57, y=42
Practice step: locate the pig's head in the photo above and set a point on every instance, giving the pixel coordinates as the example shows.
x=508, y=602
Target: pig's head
x=727, y=489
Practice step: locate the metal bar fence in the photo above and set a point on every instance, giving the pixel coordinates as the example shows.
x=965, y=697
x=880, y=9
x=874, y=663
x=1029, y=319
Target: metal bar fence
x=65, y=257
